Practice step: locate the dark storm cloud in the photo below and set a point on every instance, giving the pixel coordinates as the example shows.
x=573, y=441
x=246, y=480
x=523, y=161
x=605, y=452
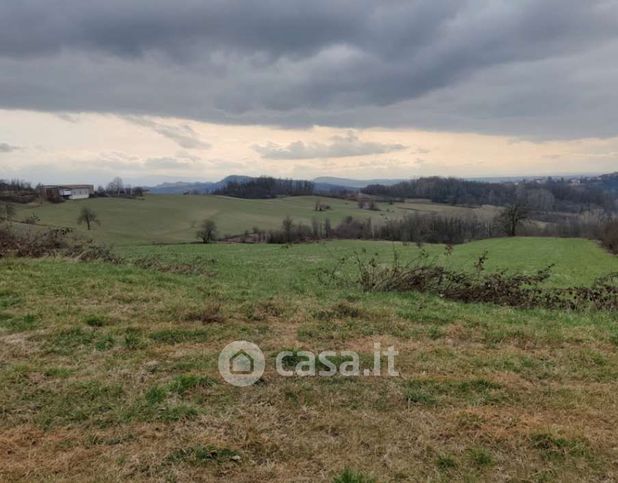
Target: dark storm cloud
x=340, y=147
x=539, y=68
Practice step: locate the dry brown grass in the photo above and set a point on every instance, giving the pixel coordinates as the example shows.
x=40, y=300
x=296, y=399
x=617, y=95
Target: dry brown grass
x=114, y=377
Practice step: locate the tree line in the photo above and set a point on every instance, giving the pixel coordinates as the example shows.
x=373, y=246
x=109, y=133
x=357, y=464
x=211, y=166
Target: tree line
x=116, y=188
x=266, y=187
x=17, y=191
x=415, y=227
x=547, y=195
x=513, y=220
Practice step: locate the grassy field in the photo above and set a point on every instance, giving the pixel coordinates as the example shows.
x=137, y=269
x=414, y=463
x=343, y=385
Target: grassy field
x=109, y=372
x=174, y=218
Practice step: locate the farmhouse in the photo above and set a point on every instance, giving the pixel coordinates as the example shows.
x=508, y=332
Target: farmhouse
x=67, y=192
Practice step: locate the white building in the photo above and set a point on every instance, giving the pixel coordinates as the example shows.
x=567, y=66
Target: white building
x=68, y=191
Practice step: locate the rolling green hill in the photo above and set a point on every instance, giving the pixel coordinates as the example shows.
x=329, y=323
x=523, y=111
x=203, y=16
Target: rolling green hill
x=174, y=218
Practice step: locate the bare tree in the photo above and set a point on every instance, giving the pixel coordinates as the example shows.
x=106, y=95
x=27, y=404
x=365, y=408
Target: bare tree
x=207, y=232
x=609, y=236
x=316, y=229
x=512, y=217
x=89, y=217
x=115, y=186
x=328, y=229
x=7, y=212
x=287, y=226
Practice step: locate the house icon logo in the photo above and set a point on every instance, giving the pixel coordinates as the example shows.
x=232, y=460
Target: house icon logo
x=241, y=363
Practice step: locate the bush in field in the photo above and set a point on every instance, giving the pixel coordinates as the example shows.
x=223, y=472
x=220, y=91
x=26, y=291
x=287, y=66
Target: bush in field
x=292, y=232
x=32, y=219
x=351, y=228
x=207, y=232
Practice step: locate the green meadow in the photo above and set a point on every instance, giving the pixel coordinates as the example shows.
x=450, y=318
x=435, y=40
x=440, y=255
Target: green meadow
x=175, y=218
x=109, y=371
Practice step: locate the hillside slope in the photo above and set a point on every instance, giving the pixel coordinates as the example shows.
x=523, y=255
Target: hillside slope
x=174, y=218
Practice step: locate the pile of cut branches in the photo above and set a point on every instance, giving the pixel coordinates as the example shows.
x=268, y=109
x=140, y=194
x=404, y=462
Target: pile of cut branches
x=479, y=286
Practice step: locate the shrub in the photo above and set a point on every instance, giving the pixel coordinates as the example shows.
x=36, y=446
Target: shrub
x=207, y=232
x=502, y=288
x=53, y=242
x=32, y=219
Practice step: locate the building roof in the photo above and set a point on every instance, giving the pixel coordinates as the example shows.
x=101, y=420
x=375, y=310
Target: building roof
x=70, y=186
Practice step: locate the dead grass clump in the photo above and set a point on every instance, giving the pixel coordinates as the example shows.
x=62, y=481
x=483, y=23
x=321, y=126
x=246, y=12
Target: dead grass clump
x=555, y=447
x=349, y=476
x=202, y=455
x=341, y=310
x=180, y=336
x=263, y=310
x=433, y=392
x=209, y=313
x=96, y=320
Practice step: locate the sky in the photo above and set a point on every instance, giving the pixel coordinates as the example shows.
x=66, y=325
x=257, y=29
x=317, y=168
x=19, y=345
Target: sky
x=154, y=90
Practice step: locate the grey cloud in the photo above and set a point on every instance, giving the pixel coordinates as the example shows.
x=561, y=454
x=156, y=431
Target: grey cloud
x=68, y=117
x=183, y=134
x=7, y=148
x=533, y=68
x=167, y=163
x=341, y=146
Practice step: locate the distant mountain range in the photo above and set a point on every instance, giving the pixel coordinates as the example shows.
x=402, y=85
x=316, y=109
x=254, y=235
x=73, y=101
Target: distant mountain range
x=323, y=184
x=180, y=187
